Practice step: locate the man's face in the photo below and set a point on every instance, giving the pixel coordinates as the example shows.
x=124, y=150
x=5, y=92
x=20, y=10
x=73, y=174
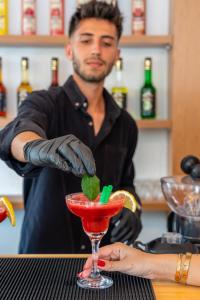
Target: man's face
x=93, y=49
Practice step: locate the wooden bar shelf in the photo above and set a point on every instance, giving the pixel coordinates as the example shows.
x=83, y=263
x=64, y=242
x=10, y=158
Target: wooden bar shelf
x=154, y=124
x=58, y=41
x=142, y=124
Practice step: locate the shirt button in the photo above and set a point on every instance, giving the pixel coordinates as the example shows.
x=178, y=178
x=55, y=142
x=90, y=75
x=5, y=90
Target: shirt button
x=90, y=123
x=77, y=104
x=85, y=104
x=83, y=247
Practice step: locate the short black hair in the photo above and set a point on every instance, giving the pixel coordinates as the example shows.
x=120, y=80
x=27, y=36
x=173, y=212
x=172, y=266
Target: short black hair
x=98, y=10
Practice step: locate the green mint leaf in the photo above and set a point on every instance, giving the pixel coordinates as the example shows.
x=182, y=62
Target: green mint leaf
x=90, y=186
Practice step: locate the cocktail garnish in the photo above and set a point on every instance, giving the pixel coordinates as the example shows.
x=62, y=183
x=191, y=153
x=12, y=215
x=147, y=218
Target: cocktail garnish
x=90, y=186
x=130, y=201
x=105, y=194
x=4, y=202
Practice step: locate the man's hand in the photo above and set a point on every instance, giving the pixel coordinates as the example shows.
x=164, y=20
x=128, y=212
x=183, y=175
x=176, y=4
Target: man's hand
x=66, y=153
x=127, y=226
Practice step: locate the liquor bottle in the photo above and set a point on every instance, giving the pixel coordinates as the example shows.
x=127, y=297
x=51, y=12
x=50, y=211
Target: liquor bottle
x=2, y=93
x=28, y=17
x=54, y=72
x=24, y=88
x=148, y=92
x=119, y=90
x=138, y=16
x=56, y=17
x=3, y=17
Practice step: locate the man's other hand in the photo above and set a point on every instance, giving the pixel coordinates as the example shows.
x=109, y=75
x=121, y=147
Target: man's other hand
x=127, y=226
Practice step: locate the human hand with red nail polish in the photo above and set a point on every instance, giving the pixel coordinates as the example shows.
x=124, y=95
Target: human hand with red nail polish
x=122, y=258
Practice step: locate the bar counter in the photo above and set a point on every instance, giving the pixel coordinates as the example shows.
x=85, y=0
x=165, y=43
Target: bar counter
x=163, y=290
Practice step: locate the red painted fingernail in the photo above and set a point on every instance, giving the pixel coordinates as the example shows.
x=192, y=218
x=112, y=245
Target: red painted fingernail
x=101, y=263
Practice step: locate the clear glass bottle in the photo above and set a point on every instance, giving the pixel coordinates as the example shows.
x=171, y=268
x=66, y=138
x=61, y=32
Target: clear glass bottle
x=24, y=88
x=54, y=72
x=119, y=90
x=148, y=92
x=2, y=94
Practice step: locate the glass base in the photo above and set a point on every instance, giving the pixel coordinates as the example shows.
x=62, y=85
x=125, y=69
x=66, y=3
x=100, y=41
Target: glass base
x=102, y=282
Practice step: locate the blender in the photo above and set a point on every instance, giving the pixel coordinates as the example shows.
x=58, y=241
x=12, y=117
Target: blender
x=182, y=194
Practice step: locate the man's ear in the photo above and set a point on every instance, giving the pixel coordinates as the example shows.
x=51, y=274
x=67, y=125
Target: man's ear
x=68, y=51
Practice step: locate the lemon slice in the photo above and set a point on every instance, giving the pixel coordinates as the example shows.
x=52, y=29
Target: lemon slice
x=4, y=201
x=130, y=201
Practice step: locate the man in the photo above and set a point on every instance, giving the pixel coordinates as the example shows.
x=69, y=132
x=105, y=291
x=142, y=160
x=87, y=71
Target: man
x=48, y=143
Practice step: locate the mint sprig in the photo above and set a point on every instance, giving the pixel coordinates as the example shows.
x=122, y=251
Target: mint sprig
x=90, y=186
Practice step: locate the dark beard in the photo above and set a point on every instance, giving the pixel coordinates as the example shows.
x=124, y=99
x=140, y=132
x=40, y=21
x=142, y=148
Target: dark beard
x=90, y=78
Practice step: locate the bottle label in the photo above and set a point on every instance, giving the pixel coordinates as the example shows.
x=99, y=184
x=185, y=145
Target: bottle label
x=120, y=98
x=28, y=17
x=2, y=102
x=148, y=103
x=57, y=17
x=138, y=25
x=2, y=22
x=21, y=96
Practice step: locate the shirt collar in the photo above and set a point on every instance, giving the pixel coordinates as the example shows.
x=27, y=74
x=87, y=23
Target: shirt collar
x=79, y=101
x=74, y=94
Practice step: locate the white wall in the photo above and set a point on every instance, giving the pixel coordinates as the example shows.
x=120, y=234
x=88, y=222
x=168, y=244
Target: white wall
x=151, y=155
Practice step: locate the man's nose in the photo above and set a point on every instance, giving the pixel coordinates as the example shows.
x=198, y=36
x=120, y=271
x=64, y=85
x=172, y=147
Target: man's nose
x=96, y=48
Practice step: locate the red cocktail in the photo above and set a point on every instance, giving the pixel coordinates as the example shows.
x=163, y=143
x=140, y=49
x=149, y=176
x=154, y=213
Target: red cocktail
x=95, y=219
x=3, y=214
x=95, y=216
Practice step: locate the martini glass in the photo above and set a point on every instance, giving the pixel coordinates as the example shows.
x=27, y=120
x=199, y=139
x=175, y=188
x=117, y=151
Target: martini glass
x=95, y=219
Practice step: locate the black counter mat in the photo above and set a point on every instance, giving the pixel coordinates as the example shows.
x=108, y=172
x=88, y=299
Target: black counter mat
x=55, y=279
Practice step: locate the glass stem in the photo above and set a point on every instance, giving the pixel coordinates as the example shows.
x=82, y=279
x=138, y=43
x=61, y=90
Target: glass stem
x=95, y=249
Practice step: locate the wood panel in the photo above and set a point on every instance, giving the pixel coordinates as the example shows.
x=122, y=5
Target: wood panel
x=185, y=84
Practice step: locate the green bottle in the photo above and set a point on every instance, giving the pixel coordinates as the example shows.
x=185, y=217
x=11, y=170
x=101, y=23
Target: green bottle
x=148, y=93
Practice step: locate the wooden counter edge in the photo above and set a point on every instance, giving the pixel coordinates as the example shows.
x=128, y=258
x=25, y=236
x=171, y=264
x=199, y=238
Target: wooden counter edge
x=44, y=255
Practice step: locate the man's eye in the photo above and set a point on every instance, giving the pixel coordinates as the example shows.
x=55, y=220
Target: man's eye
x=106, y=44
x=85, y=41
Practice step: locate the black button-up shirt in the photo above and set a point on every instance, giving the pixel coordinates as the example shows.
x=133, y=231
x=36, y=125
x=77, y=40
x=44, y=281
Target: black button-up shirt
x=48, y=226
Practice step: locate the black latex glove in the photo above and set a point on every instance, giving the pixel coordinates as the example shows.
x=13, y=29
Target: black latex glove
x=66, y=153
x=127, y=226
